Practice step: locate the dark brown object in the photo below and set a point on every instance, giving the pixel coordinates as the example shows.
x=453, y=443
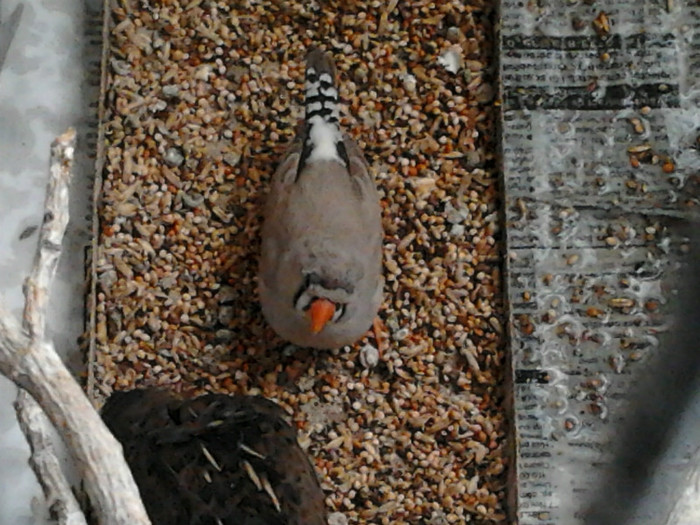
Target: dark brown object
x=215, y=459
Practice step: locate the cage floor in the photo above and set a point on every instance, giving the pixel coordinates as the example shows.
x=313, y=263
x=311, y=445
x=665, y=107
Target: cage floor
x=202, y=99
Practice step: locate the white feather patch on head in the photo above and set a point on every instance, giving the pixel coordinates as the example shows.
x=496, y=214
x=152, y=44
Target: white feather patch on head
x=323, y=137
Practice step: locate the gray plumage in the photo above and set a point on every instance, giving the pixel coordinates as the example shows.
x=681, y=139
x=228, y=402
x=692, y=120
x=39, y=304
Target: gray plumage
x=322, y=233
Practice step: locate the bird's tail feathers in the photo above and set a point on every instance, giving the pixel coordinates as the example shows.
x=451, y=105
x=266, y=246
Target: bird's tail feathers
x=324, y=138
x=321, y=92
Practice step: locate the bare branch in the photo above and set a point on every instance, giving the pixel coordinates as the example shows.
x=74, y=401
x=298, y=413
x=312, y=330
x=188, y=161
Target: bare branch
x=28, y=359
x=53, y=227
x=44, y=461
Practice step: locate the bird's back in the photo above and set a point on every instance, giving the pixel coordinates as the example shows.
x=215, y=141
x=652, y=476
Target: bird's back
x=214, y=459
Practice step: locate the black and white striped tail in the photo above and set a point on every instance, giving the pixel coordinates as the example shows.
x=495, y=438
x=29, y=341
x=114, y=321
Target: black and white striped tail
x=320, y=90
x=324, y=140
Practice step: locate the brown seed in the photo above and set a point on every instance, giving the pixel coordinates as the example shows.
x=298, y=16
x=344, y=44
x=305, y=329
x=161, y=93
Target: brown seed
x=637, y=125
x=549, y=316
x=525, y=324
x=651, y=305
x=601, y=24
x=593, y=311
x=621, y=302
x=640, y=148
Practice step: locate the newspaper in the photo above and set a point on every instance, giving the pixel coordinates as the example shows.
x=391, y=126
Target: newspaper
x=601, y=123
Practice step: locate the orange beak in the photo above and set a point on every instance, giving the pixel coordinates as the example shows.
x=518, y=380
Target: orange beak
x=321, y=311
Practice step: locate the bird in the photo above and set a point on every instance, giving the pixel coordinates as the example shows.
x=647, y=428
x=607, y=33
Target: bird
x=215, y=459
x=320, y=274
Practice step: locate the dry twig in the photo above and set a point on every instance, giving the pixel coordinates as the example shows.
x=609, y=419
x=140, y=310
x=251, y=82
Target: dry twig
x=37, y=429
x=31, y=361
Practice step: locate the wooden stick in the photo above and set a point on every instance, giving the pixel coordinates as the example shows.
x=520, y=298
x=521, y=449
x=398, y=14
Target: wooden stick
x=37, y=429
x=31, y=361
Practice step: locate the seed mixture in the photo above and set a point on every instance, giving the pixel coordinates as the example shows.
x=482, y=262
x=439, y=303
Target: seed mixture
x=202, y=99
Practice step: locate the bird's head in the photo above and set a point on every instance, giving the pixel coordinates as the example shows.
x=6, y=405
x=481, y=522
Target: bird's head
x=322, y=299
